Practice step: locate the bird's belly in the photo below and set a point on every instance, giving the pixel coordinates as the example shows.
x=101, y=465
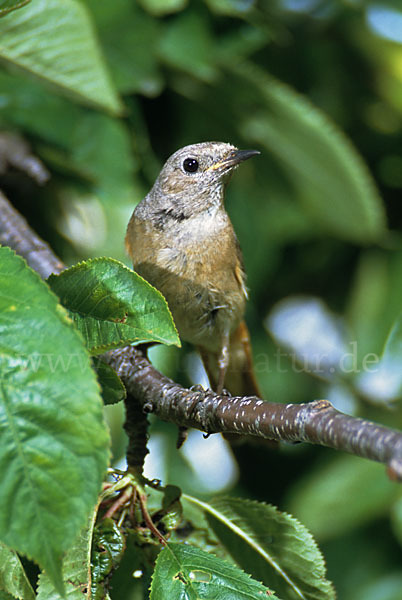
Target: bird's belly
x=191, y=286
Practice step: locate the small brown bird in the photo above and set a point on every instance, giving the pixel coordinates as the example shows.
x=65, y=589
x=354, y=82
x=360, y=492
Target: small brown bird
x=181, y=240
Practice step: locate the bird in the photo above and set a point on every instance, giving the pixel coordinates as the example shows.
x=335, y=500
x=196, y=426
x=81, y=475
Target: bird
x=181, y=240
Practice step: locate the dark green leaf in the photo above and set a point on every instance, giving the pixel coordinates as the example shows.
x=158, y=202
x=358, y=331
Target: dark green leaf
x=113, y=389
x=92, y=145
x=163, y=7
x=68, y=55
x=54, y=445
x=319, y=499
x=328, y=174
x=113, y=306
x=133, y=62
x=396, y=515
x=101, y=150
x=184, y=571
x=230, y=7
x=188, y=45
x=271, y=545
x=107, y=551
x=13, y=579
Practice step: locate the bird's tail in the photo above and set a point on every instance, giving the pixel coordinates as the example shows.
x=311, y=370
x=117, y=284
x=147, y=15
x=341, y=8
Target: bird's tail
x=240, y=379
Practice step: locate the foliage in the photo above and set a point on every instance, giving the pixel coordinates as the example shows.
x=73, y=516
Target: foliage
x=104, y=92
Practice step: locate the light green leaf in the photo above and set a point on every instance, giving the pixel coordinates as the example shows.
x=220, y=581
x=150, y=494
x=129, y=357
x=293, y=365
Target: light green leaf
x=382, y=382
x=318, y=500
x=13, y=579
x=186, y=572
x=329, y=176
x=271, y=545
x=113, y=389
x=67, y=56
x=54, y=444
x=113, y=306
x=76, y=568
x=7, y=6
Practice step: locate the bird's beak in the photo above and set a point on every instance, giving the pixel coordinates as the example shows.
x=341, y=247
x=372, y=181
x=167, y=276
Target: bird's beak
x=233, y=159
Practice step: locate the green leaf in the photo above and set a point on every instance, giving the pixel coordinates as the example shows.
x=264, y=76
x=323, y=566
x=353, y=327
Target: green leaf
x=54, y=444
x=101, y=150
x=107, y=551
x=188, y=45
x=396, y=520
x=7, y=6
x=113, y=389
x=133, y=61
x=238, y=8
x=163, y=7
x=319, y=499
x=67, y=56
x=184, y=571
x=393, y=346
x=113, y=306
x=330, y=178
x=76, y=568
x=271, y=545
x=88, y=563
x=381, y=382
x=13, y=578
x=92, y=145
x=5, y=596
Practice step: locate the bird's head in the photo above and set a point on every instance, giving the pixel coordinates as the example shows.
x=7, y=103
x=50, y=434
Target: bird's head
x=194, y=177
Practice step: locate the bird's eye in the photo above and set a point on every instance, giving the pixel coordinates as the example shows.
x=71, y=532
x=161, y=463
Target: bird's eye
x=190, y=165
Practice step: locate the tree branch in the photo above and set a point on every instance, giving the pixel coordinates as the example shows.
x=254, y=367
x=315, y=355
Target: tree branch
x=316, y=422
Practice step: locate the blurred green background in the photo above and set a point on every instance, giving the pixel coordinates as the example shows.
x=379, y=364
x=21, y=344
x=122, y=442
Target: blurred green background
x=113, y=88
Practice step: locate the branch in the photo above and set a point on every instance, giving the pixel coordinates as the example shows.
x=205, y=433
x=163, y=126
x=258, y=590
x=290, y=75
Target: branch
x=316, y=422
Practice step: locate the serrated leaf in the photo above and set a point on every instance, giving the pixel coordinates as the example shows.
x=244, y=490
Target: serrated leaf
x=54, y=444
x=113, y=306
x=186, y=572
x=271, y=545
x=13, y=579
x=108, y=548
x=329, y=176
x=7, y=6
x=68, y=55
x=113, y=389
x=76, y=568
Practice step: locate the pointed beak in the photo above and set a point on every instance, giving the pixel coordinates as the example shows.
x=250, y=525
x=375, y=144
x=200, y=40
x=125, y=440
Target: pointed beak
x=234, y=158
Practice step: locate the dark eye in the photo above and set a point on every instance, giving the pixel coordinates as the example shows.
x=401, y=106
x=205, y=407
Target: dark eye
x=190, y=165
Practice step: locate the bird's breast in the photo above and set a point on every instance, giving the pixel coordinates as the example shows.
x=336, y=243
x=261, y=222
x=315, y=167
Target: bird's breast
x=198, y=269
